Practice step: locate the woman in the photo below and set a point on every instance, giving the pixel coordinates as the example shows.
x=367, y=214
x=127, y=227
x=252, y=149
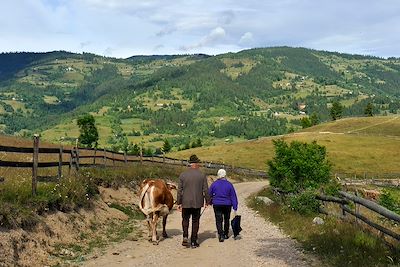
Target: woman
x=223, y=198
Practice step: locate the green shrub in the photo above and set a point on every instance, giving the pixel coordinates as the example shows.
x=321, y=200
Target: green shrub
x=387, y=200
x=298, y=166
x=304, y=203
x=331, y=188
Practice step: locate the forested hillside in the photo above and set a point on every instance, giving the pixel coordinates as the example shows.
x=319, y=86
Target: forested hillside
x=189, y=100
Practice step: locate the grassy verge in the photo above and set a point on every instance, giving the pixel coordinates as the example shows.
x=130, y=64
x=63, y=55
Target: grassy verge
x=335, y=242
x=18, y=208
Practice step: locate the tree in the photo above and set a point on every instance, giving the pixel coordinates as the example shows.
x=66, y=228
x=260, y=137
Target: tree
x=167, y=146
x=88, y=134
x=298, y=166
x=134, y=149
x=368, y=111
x=199, y=143
x=314, y=119
x=336, y=110
x=305, y=122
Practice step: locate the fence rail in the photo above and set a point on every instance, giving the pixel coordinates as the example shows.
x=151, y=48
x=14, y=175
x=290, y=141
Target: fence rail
x=103, y=157
x=347, y=198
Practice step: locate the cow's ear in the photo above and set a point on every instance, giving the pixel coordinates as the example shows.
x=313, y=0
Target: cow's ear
x=171, y=186
x=144, y=182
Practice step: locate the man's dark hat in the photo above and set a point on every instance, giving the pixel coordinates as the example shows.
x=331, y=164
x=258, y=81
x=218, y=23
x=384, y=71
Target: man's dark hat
x=194, y=159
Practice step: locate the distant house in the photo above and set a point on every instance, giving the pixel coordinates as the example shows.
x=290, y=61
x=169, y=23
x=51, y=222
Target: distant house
x=301, y=106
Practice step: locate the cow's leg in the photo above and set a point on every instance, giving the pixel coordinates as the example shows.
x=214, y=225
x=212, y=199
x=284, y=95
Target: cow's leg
x=164, y=223
x=154, y=228
x=149, y=217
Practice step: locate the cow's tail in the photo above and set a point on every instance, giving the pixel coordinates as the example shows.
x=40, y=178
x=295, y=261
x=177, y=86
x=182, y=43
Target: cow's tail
x=141, y=199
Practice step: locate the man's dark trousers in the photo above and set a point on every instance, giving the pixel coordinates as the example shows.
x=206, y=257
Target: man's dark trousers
x=195, y=213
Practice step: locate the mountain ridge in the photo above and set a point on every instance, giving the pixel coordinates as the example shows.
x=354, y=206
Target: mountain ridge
x=251, y=93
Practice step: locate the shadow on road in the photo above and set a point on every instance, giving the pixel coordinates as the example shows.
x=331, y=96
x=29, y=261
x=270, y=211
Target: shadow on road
x=206, y=235
x=277, y=248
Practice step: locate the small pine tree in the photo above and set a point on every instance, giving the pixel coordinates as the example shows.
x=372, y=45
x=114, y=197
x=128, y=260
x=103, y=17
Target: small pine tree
x=314, y=119
x=199, y=143
x=167, y=146
x=368, y=111
x=336, y=110
x=187, y=145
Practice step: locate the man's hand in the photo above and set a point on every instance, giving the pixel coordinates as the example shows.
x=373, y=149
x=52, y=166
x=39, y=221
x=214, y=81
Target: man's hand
x=179, y=208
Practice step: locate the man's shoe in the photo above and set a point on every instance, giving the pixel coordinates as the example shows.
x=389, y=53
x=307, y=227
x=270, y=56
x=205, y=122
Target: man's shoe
x=221, y=238
x=185, y=242
x=226, y=236
x=195, y=244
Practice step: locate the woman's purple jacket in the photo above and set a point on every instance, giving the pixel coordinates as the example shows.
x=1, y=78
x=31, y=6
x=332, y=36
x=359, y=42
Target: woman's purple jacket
x=222, y=193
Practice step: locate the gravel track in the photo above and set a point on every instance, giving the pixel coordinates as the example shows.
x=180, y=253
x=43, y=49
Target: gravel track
x=261, y=243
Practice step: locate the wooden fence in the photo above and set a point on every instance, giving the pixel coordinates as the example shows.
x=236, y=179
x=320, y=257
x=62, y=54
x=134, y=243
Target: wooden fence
x=346, y=198
x=98, y=157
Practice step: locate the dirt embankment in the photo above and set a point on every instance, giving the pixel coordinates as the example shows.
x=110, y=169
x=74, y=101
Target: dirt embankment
x=59, y=235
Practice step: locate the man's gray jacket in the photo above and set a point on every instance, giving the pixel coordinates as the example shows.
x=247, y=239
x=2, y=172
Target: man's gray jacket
x=192, y=189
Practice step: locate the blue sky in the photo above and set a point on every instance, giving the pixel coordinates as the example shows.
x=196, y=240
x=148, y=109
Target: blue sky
x=122, y=28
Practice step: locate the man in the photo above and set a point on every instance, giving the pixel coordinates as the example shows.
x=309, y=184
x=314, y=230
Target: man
x=192, y=195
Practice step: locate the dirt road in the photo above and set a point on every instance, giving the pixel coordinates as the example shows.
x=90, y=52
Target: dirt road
x=261, y=243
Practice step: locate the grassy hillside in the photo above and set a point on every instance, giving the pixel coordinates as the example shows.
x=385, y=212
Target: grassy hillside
x=354, y=145
x=145, y=99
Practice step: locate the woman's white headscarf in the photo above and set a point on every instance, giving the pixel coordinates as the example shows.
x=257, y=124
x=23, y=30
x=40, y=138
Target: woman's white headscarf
x=221, y=173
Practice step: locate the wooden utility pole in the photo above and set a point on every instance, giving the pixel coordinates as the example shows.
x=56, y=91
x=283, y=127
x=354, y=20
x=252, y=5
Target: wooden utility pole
x=35, y=163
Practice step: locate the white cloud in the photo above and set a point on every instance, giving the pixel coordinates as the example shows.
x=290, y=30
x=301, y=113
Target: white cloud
x=246, y=39
x=138, y=26
x=212, y=38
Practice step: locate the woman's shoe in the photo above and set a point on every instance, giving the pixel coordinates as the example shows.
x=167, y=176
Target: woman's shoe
x=194, y=244
x=221, y=238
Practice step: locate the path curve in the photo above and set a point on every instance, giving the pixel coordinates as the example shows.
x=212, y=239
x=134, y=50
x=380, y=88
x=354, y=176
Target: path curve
x=261, y=243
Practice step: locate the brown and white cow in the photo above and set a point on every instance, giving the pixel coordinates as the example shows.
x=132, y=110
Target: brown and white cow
x=156, y=201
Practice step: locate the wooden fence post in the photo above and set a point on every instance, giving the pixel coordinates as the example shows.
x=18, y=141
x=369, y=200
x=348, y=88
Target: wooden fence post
x=105, y=157
x=163, y=159
x=94, y=158
x=125, y=159
x=77, y=159
x=35, y=163
x=60, y=162
x=356, y=207
x=70, y=162
x=113, y=158
x=141, y=155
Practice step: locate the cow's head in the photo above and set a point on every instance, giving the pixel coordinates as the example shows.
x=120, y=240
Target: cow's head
x=171, y=186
